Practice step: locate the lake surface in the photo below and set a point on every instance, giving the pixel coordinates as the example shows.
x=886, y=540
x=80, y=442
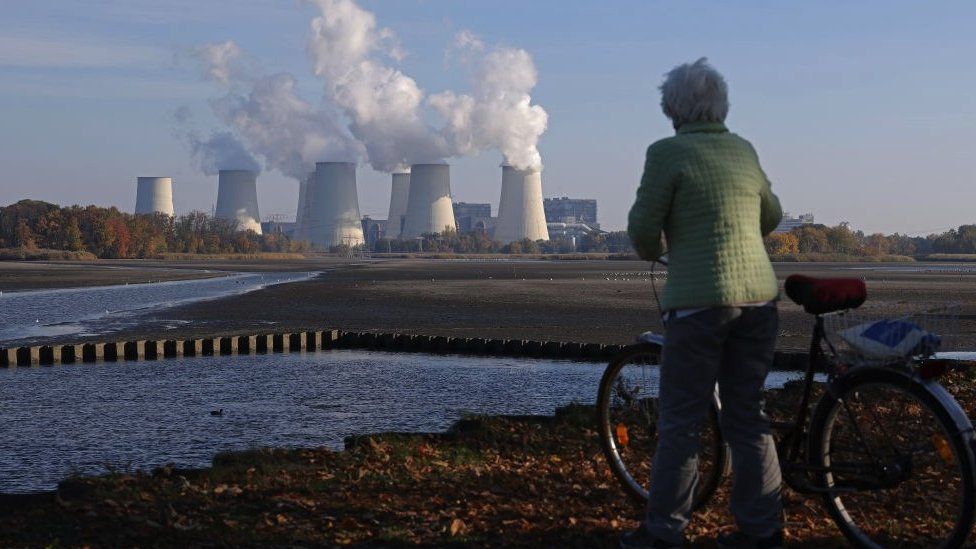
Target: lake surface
x=32, y=316
x=84, y=418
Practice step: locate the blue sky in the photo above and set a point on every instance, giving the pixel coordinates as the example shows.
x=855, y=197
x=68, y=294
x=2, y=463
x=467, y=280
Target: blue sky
x=862, y=112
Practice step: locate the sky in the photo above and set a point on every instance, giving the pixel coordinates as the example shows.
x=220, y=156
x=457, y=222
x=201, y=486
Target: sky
x=861, y=112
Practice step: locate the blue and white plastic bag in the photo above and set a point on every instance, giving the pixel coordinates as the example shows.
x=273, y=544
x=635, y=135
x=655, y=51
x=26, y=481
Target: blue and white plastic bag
x=891, y=339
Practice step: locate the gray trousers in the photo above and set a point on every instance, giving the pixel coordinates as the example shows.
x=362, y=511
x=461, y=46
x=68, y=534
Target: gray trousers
x=734, y=347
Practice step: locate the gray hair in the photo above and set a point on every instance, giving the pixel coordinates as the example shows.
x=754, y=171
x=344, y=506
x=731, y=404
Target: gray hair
x=694, y=92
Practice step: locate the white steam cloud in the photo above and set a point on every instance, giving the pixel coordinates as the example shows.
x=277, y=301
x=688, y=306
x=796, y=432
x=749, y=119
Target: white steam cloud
x=383, y=107
x=499, y=114
x=221, y=151
x=349, y=53
x=269, y=116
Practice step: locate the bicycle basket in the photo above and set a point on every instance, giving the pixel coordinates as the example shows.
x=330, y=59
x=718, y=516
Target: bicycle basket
x=892, y=333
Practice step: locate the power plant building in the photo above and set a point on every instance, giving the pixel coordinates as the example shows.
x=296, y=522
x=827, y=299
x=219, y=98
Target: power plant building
x=237, y=199
x=331, y=211
x=571, y=210
x=429, y=206
x=154, y=195
x=374, y=229
x=520, y=209
x=472, y=217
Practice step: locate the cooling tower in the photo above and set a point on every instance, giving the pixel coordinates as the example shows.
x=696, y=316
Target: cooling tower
x=398, y=204
x=237, y=199
x=154, y=194
x=331, y=213
x=300, y=232
x=520, y=212
x=429, y=207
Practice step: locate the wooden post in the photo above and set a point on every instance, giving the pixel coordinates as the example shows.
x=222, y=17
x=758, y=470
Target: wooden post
x=28, y=356
x=113, y=351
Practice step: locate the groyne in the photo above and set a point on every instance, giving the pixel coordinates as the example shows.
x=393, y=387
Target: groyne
x=320, y=340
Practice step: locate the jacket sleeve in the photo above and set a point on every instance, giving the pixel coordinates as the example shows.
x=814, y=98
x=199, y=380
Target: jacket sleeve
x=649, y=214
x=772, y=212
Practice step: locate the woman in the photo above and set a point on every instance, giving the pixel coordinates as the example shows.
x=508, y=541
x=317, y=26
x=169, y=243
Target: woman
x=705, y=191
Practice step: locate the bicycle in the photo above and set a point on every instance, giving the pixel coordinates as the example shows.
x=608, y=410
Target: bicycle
x=885, y=437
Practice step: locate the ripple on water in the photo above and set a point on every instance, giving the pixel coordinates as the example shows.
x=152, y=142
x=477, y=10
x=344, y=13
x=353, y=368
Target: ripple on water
x=83, y=418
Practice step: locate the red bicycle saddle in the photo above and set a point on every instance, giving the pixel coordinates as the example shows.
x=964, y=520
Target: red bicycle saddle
x=819, y=296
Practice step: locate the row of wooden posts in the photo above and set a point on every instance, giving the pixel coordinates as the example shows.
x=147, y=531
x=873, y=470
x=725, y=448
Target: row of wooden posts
x=315, y=340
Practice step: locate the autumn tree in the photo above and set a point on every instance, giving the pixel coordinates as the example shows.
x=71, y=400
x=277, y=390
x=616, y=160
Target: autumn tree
x=782, y=244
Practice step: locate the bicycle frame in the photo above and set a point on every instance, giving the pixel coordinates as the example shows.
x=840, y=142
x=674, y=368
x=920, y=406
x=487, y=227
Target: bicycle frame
x=794, y=437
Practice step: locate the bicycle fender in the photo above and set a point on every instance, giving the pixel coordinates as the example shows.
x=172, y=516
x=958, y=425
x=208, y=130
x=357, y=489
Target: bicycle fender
x=959, y=418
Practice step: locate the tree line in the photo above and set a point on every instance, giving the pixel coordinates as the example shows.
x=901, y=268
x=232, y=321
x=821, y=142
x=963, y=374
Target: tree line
x=804, y=241
x=841, y=240
x=109, y=233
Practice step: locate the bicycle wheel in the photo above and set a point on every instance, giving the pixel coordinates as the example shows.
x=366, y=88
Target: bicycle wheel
x=895, y=461
x=627, y=406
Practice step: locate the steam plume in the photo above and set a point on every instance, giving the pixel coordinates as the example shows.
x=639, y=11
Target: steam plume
x=270, y=117
x=350, y=54
x=499, y=114
x=221, y=151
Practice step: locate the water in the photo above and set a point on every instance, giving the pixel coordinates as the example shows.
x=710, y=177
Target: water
x=914, y=268
x=82, y=418
x=28, y=317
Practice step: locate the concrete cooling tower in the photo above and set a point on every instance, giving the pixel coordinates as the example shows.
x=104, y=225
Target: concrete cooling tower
x=429, y=207
x=154, y=194
x=300, y=232
x=331, y=213
x=520, y=211
x=398, y=204
x=237, y=199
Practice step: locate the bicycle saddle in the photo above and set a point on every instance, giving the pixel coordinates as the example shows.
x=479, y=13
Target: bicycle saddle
x=819, y=296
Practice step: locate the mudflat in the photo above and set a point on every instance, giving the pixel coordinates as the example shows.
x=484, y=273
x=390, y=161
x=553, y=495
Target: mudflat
x=587, y=301
x=36, y=275
x=39, y=275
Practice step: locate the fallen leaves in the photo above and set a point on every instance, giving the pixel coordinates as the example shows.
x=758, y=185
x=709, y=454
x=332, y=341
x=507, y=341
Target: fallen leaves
x=499, y=482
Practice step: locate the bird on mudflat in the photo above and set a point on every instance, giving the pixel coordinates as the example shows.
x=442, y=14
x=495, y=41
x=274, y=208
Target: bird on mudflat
x=219, y=412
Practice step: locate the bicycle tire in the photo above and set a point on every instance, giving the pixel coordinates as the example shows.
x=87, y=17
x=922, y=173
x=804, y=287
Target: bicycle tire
x=712, y=467
x=870, y=509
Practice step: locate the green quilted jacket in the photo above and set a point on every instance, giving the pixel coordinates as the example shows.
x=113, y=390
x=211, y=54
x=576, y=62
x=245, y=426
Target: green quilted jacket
x=705, y=190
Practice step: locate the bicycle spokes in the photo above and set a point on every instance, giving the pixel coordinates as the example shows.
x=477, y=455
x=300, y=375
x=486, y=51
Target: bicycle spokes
x=890, y=470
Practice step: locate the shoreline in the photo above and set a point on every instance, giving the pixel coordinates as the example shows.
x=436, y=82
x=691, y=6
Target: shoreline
x=597, y=301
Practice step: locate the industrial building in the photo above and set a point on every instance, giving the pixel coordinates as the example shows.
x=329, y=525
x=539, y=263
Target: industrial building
x=375, y=229
x=154, y=195
x=571, y=210
x=472, y=216
x=237, y=199
x=788, y=223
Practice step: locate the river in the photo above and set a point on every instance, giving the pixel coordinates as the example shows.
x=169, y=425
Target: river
x=33, y=316
x=87, y=418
